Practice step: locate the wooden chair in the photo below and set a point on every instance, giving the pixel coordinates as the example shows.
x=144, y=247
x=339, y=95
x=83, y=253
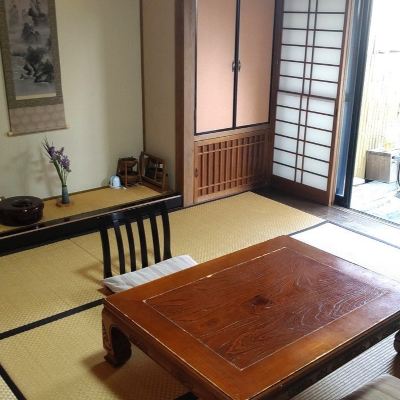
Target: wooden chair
x=127, y=217
x=137, y=275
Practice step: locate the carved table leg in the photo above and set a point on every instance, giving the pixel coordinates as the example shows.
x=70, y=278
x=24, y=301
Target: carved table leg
x=396, y=343
x=116, y=344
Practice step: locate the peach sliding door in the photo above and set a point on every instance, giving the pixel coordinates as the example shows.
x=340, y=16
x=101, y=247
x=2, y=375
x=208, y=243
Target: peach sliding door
x=255, y=57
x=216, y=29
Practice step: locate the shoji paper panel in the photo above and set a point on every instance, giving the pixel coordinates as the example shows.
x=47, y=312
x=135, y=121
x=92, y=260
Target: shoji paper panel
x=307, y=95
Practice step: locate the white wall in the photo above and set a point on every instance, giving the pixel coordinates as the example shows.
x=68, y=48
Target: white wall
x=159, y=80
x=99, y=42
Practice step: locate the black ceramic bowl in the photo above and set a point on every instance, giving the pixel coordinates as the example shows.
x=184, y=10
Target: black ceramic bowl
x=21, y=210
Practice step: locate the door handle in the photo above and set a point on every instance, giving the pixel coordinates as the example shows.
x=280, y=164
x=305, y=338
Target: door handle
x=239, y=65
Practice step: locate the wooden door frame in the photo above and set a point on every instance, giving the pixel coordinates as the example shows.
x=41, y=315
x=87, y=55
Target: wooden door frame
x=274, y=86
x=324, y=197
x=185, y=55
x=357, y=69
x=340, y=105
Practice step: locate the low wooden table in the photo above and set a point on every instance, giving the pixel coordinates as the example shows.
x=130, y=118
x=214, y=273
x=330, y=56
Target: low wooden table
x=260, y=323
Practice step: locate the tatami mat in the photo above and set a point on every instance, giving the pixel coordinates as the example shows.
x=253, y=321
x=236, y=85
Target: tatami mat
x=97, y=199
x=45, y=281
x=64, y=360
x=378, y=257
x=5, y=391
x=93, y=200
x=358, y=249
x=41, y=282
x=221, y=227
x=380, y=359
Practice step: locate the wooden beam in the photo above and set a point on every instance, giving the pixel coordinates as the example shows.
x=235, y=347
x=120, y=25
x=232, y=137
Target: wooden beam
x=185, y=97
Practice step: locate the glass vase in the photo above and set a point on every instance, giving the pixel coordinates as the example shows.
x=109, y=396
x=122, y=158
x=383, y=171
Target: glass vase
x=64, y=194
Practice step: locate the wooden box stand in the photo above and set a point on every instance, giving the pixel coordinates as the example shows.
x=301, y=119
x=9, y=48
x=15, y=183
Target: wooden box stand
x=128, y=171
x=153, y=171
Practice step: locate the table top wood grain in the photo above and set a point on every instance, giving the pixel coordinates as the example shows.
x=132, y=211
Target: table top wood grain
x=252, y=324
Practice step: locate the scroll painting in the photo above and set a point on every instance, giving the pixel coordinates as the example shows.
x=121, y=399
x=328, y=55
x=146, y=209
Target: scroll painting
x=29, y=48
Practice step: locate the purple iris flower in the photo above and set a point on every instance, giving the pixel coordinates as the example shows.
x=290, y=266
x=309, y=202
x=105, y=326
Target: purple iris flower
x=58, y=156
x=59, y=159
x=65, y=163
x=51, y=150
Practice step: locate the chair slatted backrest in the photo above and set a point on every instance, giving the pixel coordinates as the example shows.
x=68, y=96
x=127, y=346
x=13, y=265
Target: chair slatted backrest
x=128, y=217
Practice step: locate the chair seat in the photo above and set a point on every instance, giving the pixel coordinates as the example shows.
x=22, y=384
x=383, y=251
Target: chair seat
x=119, y=283
x=385, y=387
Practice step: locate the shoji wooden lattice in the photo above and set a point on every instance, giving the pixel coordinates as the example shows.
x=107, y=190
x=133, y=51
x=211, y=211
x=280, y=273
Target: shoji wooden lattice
x=307, y=97
x=229, y=164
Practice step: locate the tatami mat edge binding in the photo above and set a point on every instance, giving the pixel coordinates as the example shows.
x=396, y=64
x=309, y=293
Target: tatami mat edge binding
x=65, y=360
x=67, y=337
x=37, y=284
x=8, y=389
x=55, y=278
x=347, y=229
x=372, y=254
x=213, y=229
x=48, y=320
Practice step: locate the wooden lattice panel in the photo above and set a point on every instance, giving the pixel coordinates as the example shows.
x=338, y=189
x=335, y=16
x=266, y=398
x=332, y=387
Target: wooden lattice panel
x=229, y=164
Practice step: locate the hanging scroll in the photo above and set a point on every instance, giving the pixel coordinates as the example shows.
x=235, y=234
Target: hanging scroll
x=29, y=48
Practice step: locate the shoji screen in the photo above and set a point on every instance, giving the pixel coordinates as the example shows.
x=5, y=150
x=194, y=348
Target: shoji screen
x=307, y=96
